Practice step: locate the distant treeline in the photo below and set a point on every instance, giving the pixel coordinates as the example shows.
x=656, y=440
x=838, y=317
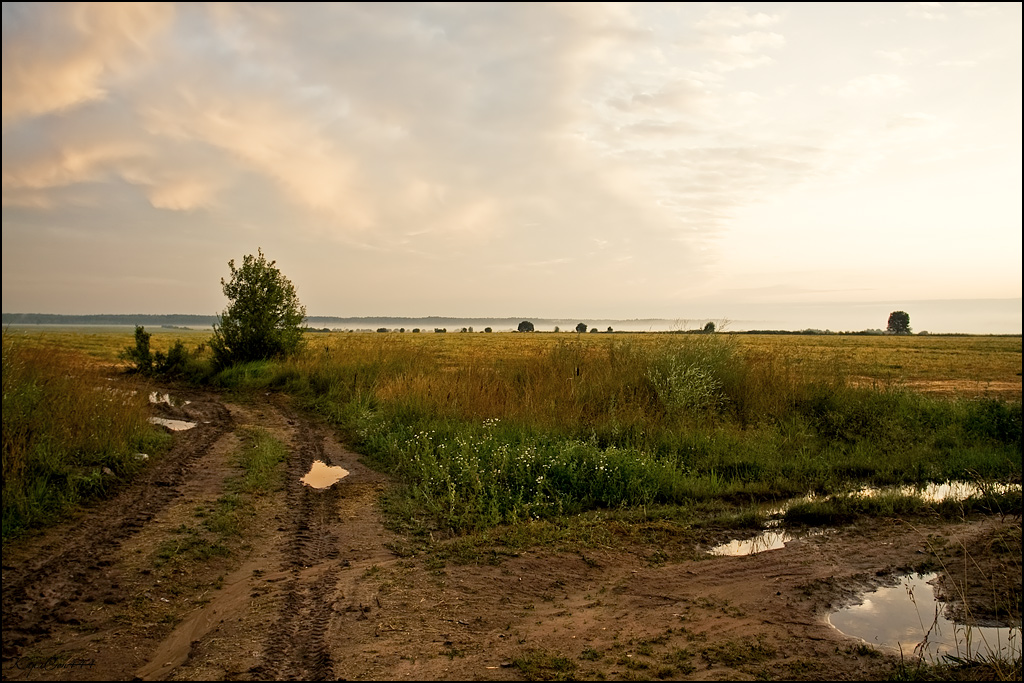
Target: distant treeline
x=175, y=320
x=328, y=323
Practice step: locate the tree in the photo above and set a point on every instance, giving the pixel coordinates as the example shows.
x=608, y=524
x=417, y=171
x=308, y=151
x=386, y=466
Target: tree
x=581, y=327
x=526, y=326
x=899, y=323
x=709, y=328
x=264, y=317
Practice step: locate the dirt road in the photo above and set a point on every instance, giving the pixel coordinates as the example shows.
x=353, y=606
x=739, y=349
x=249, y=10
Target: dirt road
x=316, y=588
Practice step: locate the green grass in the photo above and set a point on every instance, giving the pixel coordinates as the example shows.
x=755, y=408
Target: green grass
x=223, y=522
x=561, y=427
x=542, y=665
x=259, y=459
x=69, y=435
x=495, y=431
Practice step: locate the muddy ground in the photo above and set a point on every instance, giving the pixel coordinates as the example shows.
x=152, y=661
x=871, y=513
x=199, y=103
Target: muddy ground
x=317, y=588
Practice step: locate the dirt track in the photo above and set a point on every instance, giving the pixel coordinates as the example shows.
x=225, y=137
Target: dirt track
x=318, y=589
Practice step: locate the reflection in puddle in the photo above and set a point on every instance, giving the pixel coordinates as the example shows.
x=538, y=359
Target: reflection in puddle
x=932, y=493
x=766, y=540
x=936, y=493
x=173, y=425
x=321, y=475
x=908, y=617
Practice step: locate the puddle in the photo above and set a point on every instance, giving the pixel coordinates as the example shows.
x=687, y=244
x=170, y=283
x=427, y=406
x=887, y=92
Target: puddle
x=321, y=475
x=932, y=493
x=766, y=540
x=937, y=493
x=157, y=397
x=907, y=617
x=173, y=425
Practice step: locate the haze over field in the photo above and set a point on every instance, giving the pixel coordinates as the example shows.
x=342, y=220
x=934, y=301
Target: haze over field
x=794, y=165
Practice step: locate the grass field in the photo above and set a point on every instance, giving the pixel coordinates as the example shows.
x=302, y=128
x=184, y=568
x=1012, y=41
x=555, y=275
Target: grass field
x=886, y=360
x=489, y=429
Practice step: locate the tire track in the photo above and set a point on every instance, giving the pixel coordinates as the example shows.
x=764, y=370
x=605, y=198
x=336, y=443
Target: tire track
x=74, y=568
x=297, y=647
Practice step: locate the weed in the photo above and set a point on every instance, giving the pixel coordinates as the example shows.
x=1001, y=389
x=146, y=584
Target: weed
x=734, y=653
x=543, y=665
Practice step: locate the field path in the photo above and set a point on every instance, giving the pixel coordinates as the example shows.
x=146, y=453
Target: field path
x=316, y=588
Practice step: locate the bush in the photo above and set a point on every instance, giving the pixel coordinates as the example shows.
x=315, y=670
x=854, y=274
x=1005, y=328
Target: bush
x=175, y=363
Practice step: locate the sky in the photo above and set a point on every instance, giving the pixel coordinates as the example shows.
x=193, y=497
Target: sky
x=682, y=161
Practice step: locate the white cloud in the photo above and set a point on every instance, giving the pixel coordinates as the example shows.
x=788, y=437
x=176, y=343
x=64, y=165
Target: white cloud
x=873, y=85
x=736, y=17
x=930, y=11
x=904, y=56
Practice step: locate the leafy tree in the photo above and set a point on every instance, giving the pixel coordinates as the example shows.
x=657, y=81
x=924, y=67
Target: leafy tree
x=709, y=328
x=610, y=329
x=526, y=326
x=899, y=323
x=264, y=317
x=581, y=327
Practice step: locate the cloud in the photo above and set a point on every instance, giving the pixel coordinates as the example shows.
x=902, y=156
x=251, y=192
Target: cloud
x=65, y=166
x=680, y=94
x=873, y=85
x=930, y=11
x=735, y=17
x=742, y=51
x=904, y=56
x=58, y=56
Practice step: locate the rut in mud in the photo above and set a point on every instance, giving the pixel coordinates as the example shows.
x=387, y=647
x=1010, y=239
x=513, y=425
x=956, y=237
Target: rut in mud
x=318, y=589
x=38, y=590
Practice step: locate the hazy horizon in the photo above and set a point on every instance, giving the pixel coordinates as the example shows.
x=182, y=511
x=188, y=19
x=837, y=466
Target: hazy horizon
x=993, y=316
x=819, y=164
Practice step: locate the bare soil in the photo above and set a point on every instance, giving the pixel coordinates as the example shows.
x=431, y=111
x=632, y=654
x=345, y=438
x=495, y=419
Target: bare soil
x=318, y=588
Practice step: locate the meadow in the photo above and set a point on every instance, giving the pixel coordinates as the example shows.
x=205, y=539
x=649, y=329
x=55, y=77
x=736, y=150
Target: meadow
x=484, y=430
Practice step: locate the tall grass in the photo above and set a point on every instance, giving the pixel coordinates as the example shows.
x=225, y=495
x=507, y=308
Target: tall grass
x=501, y=430
x=68, y=434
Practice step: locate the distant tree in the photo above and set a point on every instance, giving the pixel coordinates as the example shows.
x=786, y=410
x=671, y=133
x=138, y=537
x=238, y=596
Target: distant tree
x=470, y=328
x=594, y=330
x=709, y=328
x=415, y=330
x=556, y=329
x=610, y=329
x=526, y=326
x=487, y=329
x=899, y=323
x=264, y=317
x=581, y=327
x=382, y=329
